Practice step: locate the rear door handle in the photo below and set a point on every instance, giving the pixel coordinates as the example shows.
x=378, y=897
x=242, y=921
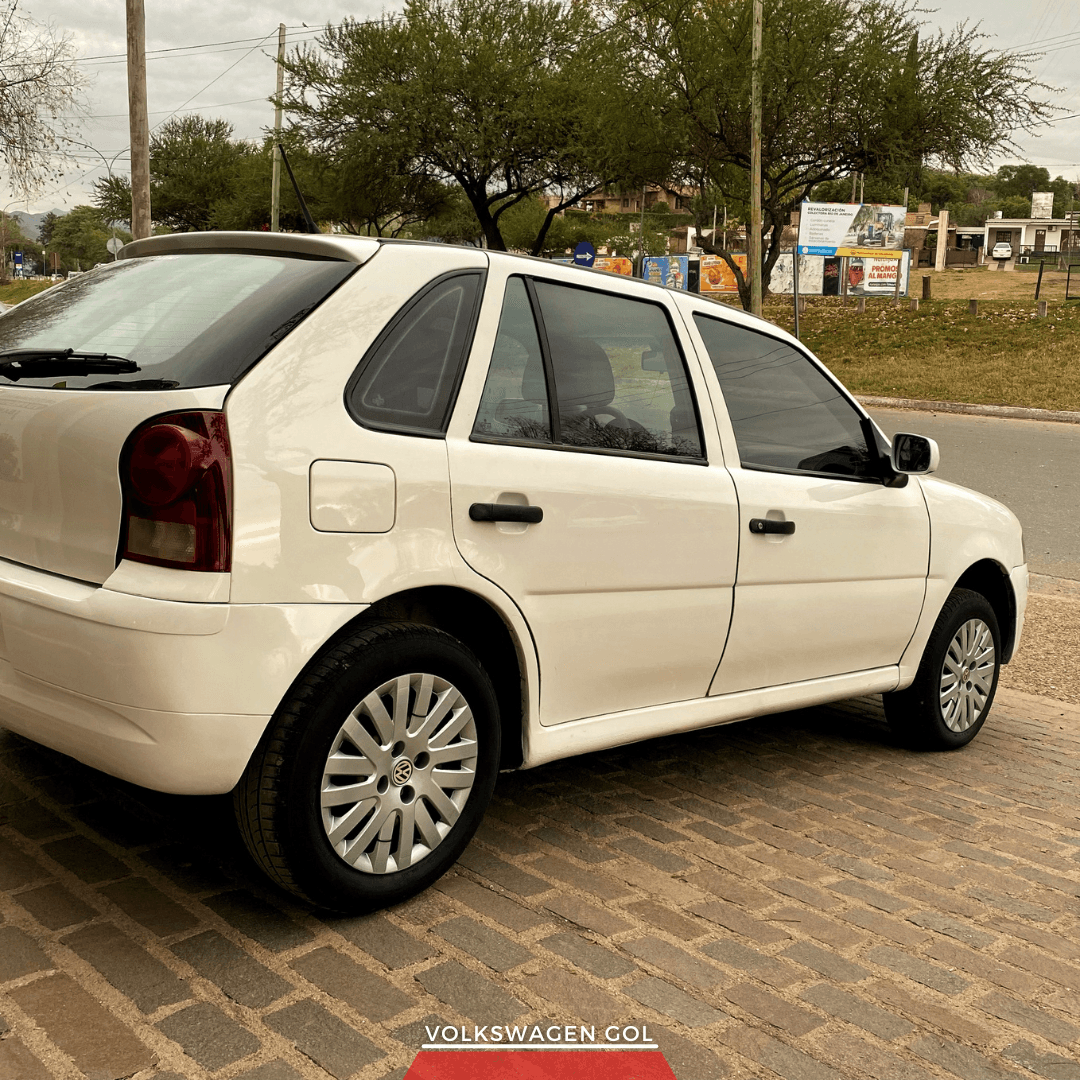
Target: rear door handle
x=767, y=525
x=530, y=515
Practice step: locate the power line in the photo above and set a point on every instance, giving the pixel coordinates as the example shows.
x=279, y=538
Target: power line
x=182, y=48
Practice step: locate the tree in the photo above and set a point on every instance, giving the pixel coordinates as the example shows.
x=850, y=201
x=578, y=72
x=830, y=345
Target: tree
x=81, y=236
x=849, y=86
x=194, y=167
x=40, y=89
x=505, y=99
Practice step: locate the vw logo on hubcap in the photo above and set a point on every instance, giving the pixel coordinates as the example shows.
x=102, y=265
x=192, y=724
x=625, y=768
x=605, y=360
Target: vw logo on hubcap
x=402, y=772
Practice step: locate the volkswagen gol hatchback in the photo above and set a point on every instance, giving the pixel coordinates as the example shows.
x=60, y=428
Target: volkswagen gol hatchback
x=345, y=526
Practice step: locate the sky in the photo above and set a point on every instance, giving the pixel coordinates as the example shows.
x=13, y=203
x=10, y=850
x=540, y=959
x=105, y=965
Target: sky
x=216, y=57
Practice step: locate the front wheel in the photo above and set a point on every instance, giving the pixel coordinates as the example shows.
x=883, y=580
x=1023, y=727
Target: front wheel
x=948, y=702
x=375, y=771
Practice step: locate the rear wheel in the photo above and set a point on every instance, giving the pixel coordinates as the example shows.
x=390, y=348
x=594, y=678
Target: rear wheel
x=376, y=770
x=948, y=702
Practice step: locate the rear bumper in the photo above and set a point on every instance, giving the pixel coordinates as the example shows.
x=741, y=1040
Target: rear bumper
x=167, y=694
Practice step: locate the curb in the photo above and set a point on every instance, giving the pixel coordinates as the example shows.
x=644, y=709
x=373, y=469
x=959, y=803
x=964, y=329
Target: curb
x=1002, y=412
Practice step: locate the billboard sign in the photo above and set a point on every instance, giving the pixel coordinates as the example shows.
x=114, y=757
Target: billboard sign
x=716, y=276
x=1042, y=204
x=877, y=277
x=859, y=230
x=670, y=270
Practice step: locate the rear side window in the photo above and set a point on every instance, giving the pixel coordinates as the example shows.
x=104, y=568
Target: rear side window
x=186, y=320
x=408, y=379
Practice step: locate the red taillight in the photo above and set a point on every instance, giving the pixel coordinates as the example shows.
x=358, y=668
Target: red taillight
x=176, y=476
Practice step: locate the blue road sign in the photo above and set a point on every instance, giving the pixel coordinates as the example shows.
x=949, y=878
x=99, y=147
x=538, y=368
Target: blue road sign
x=584, y=254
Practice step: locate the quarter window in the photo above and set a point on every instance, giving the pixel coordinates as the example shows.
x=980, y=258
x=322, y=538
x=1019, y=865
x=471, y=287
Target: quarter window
x=786, y=413
x=408, y=378
x=619, y=379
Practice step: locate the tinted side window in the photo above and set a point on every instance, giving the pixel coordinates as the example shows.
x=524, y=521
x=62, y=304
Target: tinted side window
x=620, y=378
x=514, y=405
x=785, y=412
x=408, y=378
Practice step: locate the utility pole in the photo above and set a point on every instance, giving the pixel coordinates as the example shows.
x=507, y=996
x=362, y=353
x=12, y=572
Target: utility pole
x=138, y=119
x=753, y=236
x=275, y=180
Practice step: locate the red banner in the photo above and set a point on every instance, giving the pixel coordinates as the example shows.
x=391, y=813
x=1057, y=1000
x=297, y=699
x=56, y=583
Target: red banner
x=540, y=1065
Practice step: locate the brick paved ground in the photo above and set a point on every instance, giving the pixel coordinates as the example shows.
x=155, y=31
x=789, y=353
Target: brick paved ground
x=794, y=896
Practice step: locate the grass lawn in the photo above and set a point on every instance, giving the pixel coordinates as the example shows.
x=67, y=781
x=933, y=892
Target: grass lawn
x=15, y=291
x=1004, y=356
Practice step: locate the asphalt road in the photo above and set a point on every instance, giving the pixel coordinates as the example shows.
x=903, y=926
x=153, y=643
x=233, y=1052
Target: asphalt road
x=1031, y=466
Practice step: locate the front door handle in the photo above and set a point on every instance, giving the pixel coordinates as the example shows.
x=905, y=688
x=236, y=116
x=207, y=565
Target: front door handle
x=768, y=525
x=530, y=515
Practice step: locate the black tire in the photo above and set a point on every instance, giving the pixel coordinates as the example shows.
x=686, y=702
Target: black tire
x=925, y=717
x=279, y=800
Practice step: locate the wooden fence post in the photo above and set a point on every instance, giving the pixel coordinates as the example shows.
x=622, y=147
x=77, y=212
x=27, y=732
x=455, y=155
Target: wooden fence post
x=1042, y=309
x=973, y=307
x=860, y=307
x=926, y=287
x=913, y=303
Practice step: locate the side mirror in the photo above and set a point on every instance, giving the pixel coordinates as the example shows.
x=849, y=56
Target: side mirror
x=653, y=360
x=914, y=455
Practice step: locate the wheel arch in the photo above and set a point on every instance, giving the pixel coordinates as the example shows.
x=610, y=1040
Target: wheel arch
x=477, y=624
x=990, y=579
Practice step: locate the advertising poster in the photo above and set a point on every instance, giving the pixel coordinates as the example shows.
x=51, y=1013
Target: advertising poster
x=716, y=275
x=876, y=277
x=614, y=266
x=811, y=274
x=864, y=230
x=670, y=270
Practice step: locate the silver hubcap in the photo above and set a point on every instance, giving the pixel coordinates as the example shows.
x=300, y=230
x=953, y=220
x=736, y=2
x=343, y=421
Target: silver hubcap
x=967, y=675
x=399, y=773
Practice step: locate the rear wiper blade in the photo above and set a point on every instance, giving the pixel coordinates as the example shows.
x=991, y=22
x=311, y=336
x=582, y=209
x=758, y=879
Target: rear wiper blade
x=18, y=364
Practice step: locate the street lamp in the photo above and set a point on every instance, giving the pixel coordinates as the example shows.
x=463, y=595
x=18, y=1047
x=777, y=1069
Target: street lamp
x=108, y=163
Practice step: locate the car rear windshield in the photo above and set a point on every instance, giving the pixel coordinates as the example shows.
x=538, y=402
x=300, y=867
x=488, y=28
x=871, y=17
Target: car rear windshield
x=186, y=320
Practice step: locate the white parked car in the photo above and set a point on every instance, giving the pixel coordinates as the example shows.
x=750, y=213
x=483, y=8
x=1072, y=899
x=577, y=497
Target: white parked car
x=1001, y=251
x=345, y=526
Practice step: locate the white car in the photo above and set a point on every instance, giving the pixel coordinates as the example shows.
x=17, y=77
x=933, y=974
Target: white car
x=345, y=526
x=1001, y=251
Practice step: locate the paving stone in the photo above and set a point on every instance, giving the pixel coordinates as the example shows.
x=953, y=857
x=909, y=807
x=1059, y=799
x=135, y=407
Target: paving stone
x=5, y=1027
x=259, y=921
x=902, y=933
x=33, y=821
x=984, y=967
x=855, y=1010
x=671, y=1001
x=342, y=978
x=415, y=1035
x=99, y=1044
x=488, y=946
x=507, y=841
x=192, y=870
x=208, y=1036
x=713, y=811
x=574, y=845
x=1029, y=1018
x=786, y=1061
x=19, y=955
x=272, y=1070
x=487, y=902
x=954, y=1021
x=651, y=828
x=718, y=835
x=128, y=966
x=824, y=929
x=53, y=906
x=380, y=938
x=85, y=859
x=574, y=996
x=587, y=954
x=825, y=962
x=688, y=1060
x=734, y=889
x=591, y=917
x=510, y=877
x=858, y=1057
x=139, y=900
x=920, y=971
x=328, y=1041
x=772, y=1009
x=1052, y=1066
x=870, y=895
x=661, y=916
x=17, y=868
x=471, y=994
x=18, y=1063
x=590, y=881
x=768, y=969
x=961, y=1060
x=1045, y=967
x=685, y=967
x=239, y=976
x=737, y=921
x=667, y=861
x=1047, y=940
x=934, y=920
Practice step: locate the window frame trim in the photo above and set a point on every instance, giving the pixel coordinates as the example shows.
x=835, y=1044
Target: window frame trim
x=399, y=317
x=552, y=388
